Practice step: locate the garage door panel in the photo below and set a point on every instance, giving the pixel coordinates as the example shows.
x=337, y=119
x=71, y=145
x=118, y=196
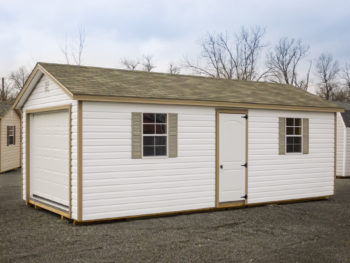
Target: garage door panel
x=57, y=178
x=49, y=157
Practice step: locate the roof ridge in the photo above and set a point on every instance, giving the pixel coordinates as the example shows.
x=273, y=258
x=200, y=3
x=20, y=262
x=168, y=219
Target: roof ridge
x=167, y=74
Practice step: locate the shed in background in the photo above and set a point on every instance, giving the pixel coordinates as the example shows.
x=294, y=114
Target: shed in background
x=343, y=141
x=10, y=145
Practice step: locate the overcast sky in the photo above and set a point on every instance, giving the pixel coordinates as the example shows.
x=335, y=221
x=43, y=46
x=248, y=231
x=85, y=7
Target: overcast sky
x=32, y=31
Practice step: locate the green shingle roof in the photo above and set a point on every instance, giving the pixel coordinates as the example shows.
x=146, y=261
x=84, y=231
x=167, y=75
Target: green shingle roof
x=5, y=106
x=94, y=81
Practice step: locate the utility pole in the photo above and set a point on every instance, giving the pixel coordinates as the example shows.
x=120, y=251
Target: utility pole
x=3, y=91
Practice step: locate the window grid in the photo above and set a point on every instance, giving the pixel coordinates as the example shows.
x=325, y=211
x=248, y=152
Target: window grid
x=11, y=135
x=294, y=137
x=159, y=136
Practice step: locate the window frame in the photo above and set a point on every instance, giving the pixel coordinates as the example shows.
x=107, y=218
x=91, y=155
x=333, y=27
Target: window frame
x=13, y=135
x=293, y=135
x=154, y=135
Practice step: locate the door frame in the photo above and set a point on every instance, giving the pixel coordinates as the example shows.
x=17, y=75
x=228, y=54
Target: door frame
x=217, y=159
x=30, y=201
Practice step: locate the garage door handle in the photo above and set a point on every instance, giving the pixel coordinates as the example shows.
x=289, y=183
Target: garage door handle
x=221, y=166
x=245, y=165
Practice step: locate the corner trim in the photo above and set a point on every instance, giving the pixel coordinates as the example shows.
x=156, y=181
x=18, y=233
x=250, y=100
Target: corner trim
x=80, y=162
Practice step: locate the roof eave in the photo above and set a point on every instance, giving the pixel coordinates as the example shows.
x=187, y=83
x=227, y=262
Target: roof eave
x=204, y=103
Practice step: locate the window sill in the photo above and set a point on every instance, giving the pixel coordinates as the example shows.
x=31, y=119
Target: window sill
x=155, y=157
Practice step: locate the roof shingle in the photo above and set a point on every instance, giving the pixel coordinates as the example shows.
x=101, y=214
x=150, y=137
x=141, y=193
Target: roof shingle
x=93, y=81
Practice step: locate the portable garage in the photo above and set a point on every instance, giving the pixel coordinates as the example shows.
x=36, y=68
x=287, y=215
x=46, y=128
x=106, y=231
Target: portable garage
x=10, y=144
x=343, y=141
x=105, y=143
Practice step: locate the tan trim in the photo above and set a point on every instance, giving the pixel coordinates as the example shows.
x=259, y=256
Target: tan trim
x=202, y=210
x=203, y=103
x=70, y=160
x=335, y=151
x=231, y=204
x=26, y=84
x=27, y=161
x=289, y=201
x=53, y=108
x=43, y=70
x=246, y=159
x=80, y=161
x=49, y=208
x=67, y=107
x=217, y=158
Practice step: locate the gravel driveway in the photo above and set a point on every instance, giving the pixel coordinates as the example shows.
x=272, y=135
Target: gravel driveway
x=317, y=231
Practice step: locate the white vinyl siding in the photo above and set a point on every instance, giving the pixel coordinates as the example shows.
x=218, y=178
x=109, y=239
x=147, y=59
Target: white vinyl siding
x=274, y=177
x=341, y=146
x=115, y=185
x=48, y=94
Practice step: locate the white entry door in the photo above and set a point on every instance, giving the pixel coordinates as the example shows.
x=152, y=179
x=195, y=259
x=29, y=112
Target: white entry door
x=232, y=157
x=49, y=158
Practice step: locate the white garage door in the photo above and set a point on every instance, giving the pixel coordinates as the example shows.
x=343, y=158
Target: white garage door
x=49, y=158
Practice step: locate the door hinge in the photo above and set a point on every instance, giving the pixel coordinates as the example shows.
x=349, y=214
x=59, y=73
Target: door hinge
x=245, y=116
x=244, y=196
x=245, y=165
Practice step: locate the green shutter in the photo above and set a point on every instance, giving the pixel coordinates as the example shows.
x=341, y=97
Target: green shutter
x=172, y=122
x=305, y=136
x=136, y=135
x=282, y=136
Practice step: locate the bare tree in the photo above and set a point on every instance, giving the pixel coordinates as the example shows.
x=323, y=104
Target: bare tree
x=304, y=84
x=283, y=60
x=18, y=78
x=147, y=63
x=130, y=64
x=327, y=70
x=73, y=47
x=4, y=91
x=173, y=70
x=228, y=58
x=346, y=76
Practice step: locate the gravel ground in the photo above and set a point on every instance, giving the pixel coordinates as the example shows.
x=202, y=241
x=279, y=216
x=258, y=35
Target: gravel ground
x=317, y=231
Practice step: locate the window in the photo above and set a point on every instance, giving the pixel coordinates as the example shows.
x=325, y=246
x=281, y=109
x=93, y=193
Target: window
x=294, y=135
x=11, y=135
x=155, y=134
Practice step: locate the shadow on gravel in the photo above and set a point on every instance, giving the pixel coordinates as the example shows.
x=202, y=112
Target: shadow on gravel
x=317, y=231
